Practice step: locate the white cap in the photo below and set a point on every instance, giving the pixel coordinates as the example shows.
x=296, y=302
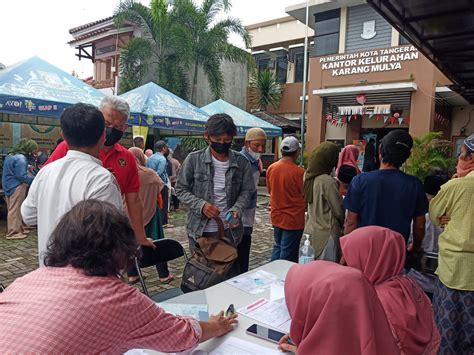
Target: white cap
x=290, y=144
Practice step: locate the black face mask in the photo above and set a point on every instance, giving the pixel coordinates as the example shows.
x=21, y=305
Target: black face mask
x=221, y=148
x=112, y=136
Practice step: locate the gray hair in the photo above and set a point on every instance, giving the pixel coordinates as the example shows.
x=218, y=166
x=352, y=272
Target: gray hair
x=116, y=103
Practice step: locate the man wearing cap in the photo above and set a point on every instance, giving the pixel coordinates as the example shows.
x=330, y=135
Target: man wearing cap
x=285, y=185
x=388, y=197
x=254, y=147
x=159, y=163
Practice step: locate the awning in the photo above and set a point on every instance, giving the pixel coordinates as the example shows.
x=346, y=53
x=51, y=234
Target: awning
x=155, y=107
x=442, y=30
x=242, y=119
x=35, y=87
x=374, y=88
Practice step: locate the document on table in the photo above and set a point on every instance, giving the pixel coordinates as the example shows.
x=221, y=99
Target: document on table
x=273, y=314
x=255, y=282
x=197, y=311
x=236, y=346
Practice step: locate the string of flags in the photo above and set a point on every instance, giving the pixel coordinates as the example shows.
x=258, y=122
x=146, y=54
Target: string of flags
x=339, y=121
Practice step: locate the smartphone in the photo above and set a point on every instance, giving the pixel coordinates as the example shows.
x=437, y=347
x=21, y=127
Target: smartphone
x=265, y=333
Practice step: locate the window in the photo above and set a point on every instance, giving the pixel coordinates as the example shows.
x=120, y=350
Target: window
x=326, y=38
x=263, y=64
x=299, y=65
x=403, y=40
x=281, y=68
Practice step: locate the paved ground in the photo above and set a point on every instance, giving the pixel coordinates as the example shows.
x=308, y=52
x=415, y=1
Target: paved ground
x=18, y=257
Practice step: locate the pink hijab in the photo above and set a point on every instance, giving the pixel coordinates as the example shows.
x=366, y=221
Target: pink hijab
x=335, y=310
x=380, y=254
x=349, y=156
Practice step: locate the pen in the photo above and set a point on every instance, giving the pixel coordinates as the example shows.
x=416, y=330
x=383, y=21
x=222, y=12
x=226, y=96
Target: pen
x=230, y=310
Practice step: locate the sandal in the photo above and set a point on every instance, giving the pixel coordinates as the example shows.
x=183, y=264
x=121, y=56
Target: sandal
x=168, y=279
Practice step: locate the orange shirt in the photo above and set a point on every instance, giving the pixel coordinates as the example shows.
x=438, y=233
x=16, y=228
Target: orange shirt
x=285, y=185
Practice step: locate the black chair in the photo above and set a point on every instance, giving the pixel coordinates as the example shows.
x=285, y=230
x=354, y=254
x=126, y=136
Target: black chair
x=166, y=250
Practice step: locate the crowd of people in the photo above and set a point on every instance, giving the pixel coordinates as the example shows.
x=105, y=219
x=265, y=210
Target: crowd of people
x=95, y=204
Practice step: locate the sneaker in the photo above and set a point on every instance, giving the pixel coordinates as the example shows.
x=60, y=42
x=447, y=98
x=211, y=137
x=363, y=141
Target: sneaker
x=16, y=236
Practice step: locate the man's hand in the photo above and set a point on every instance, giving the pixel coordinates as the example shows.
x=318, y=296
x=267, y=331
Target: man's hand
x=444, y=220
x=284, y=346
x=210, y=211
x=217, y=326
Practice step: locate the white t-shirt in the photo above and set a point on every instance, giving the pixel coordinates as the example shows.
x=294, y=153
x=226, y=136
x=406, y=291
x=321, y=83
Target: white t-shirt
x=219, y=195
x=62, y=184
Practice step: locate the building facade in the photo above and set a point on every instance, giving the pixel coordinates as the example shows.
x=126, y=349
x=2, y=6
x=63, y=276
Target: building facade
x=101, y=42
x=364, y=77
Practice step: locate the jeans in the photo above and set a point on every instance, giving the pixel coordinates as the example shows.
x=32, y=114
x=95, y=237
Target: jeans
x=286, y=244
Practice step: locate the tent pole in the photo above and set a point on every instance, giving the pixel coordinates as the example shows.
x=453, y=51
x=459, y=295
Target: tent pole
x=305, y=79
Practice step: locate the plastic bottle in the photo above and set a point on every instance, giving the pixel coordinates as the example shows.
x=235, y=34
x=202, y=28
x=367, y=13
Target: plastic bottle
x=306, y=251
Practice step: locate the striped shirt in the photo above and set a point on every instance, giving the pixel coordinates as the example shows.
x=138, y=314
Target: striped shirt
x=219, y=196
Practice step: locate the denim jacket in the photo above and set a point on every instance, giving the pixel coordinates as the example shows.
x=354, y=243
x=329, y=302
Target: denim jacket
x=15, y=173
x=195, y=187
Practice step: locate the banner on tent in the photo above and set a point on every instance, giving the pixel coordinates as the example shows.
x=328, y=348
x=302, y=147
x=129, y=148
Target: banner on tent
x=15, y=105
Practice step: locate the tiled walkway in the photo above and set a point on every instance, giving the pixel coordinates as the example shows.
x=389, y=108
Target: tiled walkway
x=18, y=257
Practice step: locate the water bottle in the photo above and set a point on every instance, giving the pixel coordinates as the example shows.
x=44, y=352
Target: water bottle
x=306, y=251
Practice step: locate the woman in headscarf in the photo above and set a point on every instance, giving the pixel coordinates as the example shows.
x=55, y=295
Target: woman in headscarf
x=150, y=188
x=380, y=254
x=325, y=216
x=348, y=156
x=453, y=300
x=334, y=310
x=15, y=182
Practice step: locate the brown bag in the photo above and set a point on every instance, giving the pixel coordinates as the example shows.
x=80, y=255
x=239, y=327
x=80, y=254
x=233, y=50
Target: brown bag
x=214, y=260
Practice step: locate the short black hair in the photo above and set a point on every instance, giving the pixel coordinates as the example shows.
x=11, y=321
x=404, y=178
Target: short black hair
x=289, y=154
x=82, y=125
x=95, y=237
x=220, y=124
x=138, y=140
x=346, y=173
x=395, y=147
x=160, y=145
x=433, y=182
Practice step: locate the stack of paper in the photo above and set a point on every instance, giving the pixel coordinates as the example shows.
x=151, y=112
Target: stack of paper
x=236, y=346
x=273, y=314
x=197, y=311
x=255, y=282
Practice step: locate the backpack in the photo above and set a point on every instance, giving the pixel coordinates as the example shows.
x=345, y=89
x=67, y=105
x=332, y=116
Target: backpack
x=214, y=260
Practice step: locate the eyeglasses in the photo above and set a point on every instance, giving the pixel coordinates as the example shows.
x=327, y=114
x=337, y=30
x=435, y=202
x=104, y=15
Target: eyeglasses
x=121, y=127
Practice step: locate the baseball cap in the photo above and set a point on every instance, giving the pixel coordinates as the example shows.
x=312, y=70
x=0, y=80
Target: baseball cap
x=290, y=144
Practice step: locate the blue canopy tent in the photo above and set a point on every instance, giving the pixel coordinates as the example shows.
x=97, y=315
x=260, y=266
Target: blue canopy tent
x=155, y=107
x=242, y=119
x=35, y=87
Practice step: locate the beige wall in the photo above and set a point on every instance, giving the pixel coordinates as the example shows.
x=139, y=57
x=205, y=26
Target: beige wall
x=460, y=118
x=271, y=33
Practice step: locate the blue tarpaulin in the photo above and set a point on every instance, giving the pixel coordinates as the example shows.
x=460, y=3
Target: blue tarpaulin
x=153, y=106
x=35, y=87
x=242, y=119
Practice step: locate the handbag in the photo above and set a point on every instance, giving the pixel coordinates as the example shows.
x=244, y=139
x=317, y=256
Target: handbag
x=214, y=260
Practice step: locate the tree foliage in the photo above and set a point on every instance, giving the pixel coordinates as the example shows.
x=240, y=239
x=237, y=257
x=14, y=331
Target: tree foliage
x=178, y=37
x=265, y=90
x=430, y=152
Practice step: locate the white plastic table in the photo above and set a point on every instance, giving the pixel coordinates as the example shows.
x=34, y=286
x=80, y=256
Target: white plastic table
x=219, y=297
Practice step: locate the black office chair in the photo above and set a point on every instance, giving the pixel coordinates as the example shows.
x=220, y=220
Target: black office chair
x=166, y=250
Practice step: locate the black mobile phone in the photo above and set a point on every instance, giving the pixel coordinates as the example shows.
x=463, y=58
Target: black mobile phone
x=265, y=333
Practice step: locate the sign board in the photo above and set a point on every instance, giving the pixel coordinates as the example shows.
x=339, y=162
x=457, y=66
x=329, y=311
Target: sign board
x=6, y=135
x=45, y=136
x=371, y=61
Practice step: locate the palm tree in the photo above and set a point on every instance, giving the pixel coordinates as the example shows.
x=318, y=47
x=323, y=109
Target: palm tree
x=133, y=63
x=265, y=90
x=163, y=44
x=209, y=40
